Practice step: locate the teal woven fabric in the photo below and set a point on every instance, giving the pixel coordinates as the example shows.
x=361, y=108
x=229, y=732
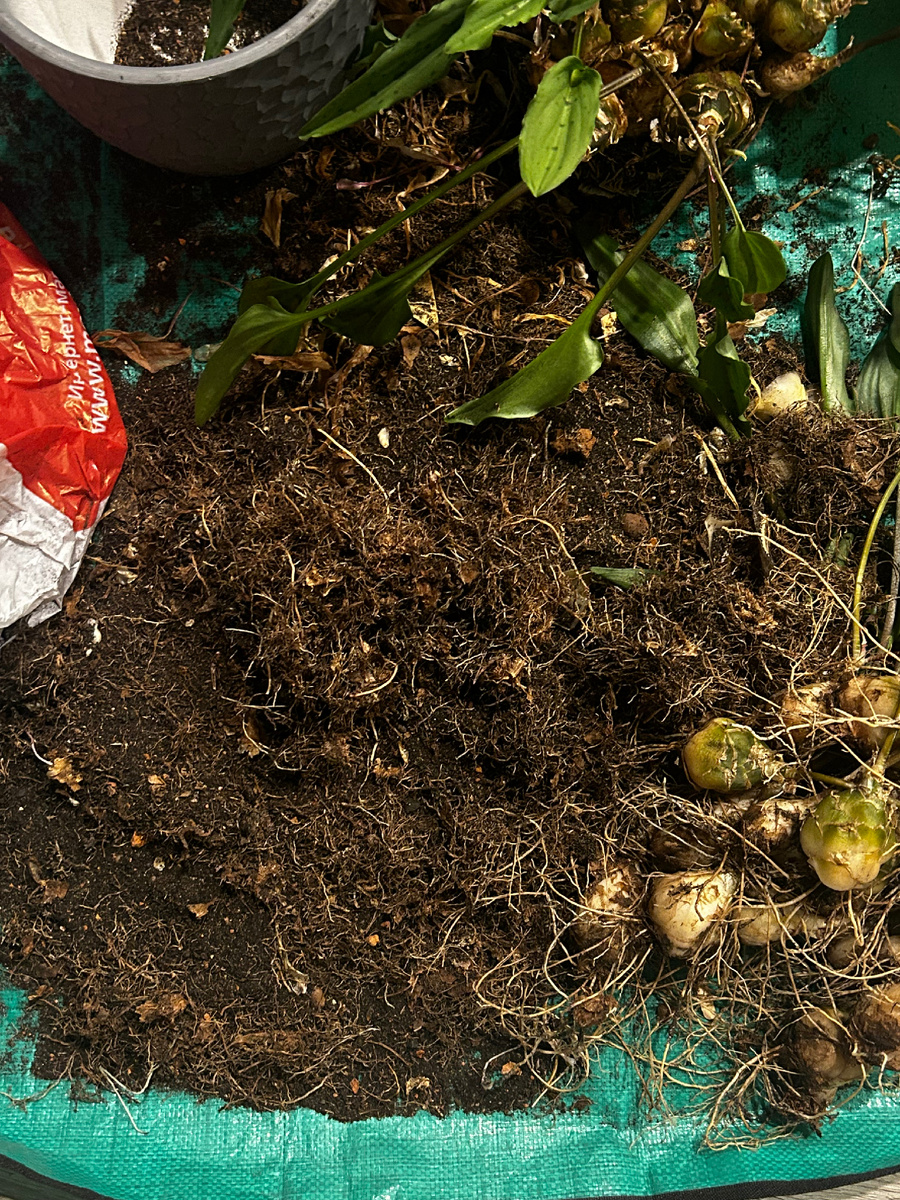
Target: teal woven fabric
x=810, y=171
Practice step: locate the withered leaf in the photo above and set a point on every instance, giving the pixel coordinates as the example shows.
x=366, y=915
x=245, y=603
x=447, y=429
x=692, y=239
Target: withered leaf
x=166, y=1005
x=200, y=910
x=303, y=360
x=146, y=349
x=270, y=225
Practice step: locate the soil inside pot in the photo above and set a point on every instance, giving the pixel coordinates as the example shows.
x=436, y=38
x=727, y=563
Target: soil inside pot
x=165, y=33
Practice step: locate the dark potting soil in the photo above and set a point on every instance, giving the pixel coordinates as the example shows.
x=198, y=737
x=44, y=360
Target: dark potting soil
x=165, y=33
x=303, y=787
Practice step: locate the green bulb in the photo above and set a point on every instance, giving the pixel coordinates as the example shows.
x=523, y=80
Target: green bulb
x=727, y=757
x=847, y=838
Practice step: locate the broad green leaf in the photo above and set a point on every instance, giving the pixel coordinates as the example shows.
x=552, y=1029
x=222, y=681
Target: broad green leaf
x=378, y=312
x=723, y=380
x=826, y=336
x=223, y=14
x=656, y=312
x=411, y=64
x=624, y=577
x=721, y=291
x=486, y=16
x=259, y=326
x=293, y=297
x=558, y=124
x=878, y=389
x=755, y=260
x=545, y=382
x=376, y=40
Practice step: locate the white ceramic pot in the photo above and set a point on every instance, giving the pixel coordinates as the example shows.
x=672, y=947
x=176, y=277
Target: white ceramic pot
x=221, y=117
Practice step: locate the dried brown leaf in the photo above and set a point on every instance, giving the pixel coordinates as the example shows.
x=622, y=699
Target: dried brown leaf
x=303, y=360
x=270, y=225
x=146, y=349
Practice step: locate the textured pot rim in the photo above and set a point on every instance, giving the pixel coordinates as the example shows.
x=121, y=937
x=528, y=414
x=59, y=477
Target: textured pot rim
x=161, y=76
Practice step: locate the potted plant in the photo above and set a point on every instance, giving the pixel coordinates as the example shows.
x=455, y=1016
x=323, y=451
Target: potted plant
x=221, y=116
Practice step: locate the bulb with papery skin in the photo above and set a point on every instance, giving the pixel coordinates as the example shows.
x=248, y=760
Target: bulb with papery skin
x=847, y=838
x=820, y=1048
x=873, y=701
x=720, y=32
x=717, y=104
x=751, y=10
x=876, y=1024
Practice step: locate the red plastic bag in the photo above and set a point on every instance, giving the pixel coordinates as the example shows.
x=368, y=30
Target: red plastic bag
x=62, y=441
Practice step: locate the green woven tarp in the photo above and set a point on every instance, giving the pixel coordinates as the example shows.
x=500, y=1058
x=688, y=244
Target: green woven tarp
x=815, y=158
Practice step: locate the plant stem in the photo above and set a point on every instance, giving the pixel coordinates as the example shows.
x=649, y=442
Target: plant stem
x=851, y=51
x=829, y=779
x=715, y=218
x=579, y=35
x=316, y=281
x=398, y=218
x=687, y=185
x=887, y=628
x=430, y=256
x=856, y=635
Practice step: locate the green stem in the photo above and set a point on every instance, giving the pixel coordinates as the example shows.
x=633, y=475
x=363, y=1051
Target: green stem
x=832, y=780
x=856, y=635
x=430, y=257
x=579, y=35
x=890, y=616
x=687, y=185
x=715, y=218
x=316, y=281
x=707, y=149
x=398, y=218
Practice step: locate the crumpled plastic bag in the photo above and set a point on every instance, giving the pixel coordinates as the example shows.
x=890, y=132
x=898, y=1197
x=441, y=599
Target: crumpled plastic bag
x=62, y=441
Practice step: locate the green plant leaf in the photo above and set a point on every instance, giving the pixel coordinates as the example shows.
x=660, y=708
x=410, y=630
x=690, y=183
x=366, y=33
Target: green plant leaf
x=545, y=382
x=878, y=389
x=292, y=297
x=405, y=68
x=722, y=381
x=376, y=40
x=223, y=14
x=558, y=124
x=486, y=16
x=826, y=337
x=624, y=577
x=721, y=291
x=258, y=327
x=379, y=311
x=656, y=312
x=376, y=314
x=754, y=259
